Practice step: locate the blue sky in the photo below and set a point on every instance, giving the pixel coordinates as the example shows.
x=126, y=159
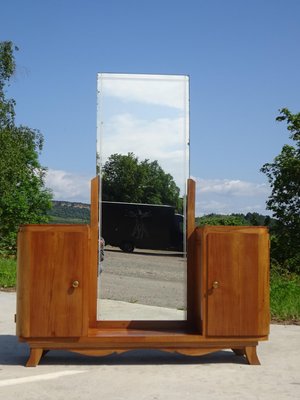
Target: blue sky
x=242, y=57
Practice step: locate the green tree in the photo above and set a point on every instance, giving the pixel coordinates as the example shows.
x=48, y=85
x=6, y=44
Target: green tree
x=126, y=179
x=284, y=178
x=218, y=219
x=23, y=196
x=256, y=219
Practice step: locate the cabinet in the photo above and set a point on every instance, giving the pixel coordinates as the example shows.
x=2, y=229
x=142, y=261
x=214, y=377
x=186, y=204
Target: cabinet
x=51, y=281
x=235, y=289
x=227, y=292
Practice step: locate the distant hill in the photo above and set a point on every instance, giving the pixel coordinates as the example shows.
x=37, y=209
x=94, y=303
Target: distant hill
x=68, y=212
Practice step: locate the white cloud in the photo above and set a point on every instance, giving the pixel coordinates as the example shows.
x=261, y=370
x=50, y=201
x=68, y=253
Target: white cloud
x=160, y=139
x=232, y=187
x=163, y=90
x=226, y=196
x=68, y=186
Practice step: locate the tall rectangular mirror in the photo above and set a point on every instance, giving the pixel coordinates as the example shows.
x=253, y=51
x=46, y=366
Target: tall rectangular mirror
x=143, y=163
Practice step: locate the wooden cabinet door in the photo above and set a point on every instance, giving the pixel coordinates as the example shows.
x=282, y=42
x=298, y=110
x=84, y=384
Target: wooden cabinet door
x=55, y=260
x=237, y=283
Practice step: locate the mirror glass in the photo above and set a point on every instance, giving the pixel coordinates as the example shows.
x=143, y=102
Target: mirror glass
x=143, y=163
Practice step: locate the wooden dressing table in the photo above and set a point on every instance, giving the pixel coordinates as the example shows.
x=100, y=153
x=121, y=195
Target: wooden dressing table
x=227, y=292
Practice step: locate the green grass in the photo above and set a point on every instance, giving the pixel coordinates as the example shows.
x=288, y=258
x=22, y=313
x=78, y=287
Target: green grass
x=285, y=297
x=285, y=291
x=8, y=269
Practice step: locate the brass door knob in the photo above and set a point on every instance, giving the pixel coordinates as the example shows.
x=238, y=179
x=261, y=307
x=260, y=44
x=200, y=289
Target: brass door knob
x=75, y=284
x=215, y=284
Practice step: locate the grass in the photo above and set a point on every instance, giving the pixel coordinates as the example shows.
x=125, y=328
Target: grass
x=285, y=291
x=285, y=297
x=8, y=269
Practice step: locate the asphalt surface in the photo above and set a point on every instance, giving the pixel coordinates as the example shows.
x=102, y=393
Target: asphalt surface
x=148, y=374
x=155, y=278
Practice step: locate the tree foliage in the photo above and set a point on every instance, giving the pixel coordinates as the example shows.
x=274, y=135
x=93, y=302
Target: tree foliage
x=218, y=219
x=126, y=179
x=252, y=219
x=284, y=178
x=23, y=197
x=7, y=68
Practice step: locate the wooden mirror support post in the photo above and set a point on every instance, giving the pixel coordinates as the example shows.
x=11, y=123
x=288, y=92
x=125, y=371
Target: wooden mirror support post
x=227, y=292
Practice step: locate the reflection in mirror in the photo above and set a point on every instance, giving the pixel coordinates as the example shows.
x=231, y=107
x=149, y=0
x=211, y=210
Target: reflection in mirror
x=143, y=162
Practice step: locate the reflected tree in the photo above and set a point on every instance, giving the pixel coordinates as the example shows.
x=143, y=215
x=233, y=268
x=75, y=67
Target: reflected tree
x=126, y=179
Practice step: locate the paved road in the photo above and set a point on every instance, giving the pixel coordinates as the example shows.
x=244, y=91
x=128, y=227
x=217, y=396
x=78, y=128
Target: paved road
x=149, y=375
x=144, y=277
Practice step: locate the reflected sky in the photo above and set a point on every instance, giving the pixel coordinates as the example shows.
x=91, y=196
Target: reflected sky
x=148, y=116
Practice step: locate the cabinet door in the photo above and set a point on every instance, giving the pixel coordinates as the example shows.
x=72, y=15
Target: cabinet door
x=237, y=284
x=56, y=260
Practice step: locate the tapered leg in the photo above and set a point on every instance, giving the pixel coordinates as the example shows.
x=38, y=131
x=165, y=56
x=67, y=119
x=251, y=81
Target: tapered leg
x=34, y=358
x=251, y=355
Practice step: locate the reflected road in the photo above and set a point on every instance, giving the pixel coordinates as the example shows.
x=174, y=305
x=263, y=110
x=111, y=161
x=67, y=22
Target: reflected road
x=145, y=277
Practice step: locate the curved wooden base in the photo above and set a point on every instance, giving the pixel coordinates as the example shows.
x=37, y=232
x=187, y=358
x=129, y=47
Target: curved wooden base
x=34, y=357
x=251, y=355
x=249, y=351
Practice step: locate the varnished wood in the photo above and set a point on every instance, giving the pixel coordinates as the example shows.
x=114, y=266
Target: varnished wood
x=190, y=207
x=50, y=257
x=238, y=307
x=93, y=267
x=109, y=347
x=142, y=325
x=139, y=339
x=198, y=351
x=264, y=315
x=35, y=357
x=193, y=268
x=99, y=352
x=23, y=283
x=184, y=351
x=56, y=257
x=251, y=355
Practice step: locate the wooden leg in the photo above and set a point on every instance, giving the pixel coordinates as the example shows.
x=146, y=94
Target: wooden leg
x=34, y=358
x=239, y=352
x=251, y=355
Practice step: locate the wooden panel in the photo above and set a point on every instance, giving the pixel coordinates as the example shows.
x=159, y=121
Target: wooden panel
x=201, y=259
x=191, y=193
x=23, y=285
x=93, y=267
x=57, y=257
x=239, y=306
x=264, y=315
x=193, y=266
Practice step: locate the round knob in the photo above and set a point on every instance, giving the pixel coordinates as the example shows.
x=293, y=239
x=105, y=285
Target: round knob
x=75, y=284
x=215, y=284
